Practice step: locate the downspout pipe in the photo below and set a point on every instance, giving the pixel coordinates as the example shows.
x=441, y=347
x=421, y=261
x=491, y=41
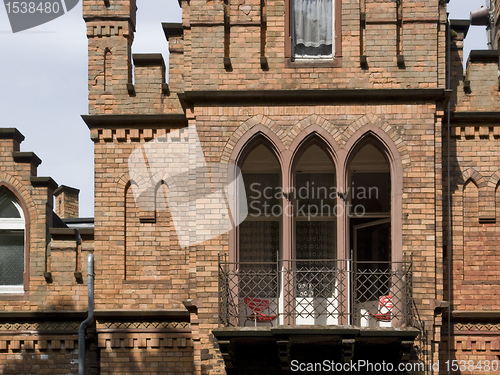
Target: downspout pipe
x=448, y=185
x=90, y=317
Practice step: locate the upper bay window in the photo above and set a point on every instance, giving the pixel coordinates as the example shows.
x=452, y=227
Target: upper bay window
x=313, y=29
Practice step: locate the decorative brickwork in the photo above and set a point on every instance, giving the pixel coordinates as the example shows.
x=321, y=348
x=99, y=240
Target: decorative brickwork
x=232, y=78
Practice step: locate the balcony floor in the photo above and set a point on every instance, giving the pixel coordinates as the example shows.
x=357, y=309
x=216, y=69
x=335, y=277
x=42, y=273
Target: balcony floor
x=278, y=350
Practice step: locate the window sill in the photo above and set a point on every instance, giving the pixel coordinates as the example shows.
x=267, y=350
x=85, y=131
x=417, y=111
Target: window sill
x=13, y=296
x=11, y=289
x=336, y=62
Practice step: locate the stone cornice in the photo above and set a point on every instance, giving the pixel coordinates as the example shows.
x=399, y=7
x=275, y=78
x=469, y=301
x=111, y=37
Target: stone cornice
x=135, y=121
x=330, y=96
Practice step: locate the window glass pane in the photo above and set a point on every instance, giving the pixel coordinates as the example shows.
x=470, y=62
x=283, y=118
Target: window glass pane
x=259, y=234
x=370, y=192
x=314, y=245
x=263, y=194
x=373, y=253
x=313, y=27
x=315, y=239
x=11, y=257
x=370, y=182
x=7, y=208
x=315, y=197
x=259, y=241
x=259, y=245
x=315, y=194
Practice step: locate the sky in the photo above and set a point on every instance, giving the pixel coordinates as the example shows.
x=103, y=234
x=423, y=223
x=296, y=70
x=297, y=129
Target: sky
x=43, y=89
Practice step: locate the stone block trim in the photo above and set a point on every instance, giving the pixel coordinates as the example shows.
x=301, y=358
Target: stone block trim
x=39, y=343
x=475, y=132
x=145, y=341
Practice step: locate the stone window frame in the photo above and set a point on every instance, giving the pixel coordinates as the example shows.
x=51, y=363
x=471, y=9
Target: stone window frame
x=334, y=62
x=341, y=158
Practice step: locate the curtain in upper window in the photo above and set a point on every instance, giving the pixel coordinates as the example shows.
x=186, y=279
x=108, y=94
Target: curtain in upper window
x=313, y=28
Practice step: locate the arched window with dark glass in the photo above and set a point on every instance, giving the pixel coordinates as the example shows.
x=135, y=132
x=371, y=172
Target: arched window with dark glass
x=369, y=208
x=12, y=244
x=369, y=205
x=259, y=235
x=315, y=228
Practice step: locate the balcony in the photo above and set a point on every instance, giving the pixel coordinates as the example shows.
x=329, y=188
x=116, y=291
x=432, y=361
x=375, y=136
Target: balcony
x=324, y=309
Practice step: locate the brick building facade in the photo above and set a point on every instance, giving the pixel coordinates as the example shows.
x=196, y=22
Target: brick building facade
x=381, y=102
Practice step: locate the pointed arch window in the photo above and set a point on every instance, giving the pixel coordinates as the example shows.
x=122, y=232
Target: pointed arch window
x=315, y=228
x=315, y=198
x=369, y=198
x=259, y=234
x=12, y=244
x=331, y=232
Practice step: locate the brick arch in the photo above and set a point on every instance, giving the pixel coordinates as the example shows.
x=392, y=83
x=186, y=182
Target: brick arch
x=107, y=69
x=388, y=138
x=307, y=135
x=23, y=196
x=494, y=180
x=241, y=141
x=246, y=131
x=393, y=147
x=123, y=184
x=320, y=125
x=470, y=174
x=29, y=209
x=380, y=130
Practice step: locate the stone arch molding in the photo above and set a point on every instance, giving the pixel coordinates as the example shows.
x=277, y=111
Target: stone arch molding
x=375, y=126
x=310, y=124
x=246, y=131
x=341, y=142
x=24, y=197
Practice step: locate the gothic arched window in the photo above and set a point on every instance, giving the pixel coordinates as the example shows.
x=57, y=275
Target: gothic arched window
x=12, y=244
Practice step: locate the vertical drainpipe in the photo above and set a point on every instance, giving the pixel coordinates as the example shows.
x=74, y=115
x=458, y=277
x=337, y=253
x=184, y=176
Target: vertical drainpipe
x=448, y=177
x=90, y=317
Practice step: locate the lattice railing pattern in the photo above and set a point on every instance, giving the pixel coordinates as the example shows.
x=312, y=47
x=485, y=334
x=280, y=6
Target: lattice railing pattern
x=324, y=292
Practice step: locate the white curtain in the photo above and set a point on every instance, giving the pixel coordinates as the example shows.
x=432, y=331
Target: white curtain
x=313, y=27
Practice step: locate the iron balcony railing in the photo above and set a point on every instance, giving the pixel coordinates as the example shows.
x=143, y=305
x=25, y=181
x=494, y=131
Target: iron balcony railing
x=316, y=292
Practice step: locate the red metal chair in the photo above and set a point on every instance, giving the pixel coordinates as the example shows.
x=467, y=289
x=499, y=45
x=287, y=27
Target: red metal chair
x=384, y=313
x=259, y=311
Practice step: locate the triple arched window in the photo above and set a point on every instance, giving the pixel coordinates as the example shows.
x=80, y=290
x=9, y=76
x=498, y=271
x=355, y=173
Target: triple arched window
x=322, y=214
x=12, y=244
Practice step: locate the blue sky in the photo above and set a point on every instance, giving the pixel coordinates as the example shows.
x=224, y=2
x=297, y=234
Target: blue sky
x=44, y=85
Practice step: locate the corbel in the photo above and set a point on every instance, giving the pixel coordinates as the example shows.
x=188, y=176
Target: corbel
x=405, y=352
x=284, y=354
x=227, y=352
x=348, y=350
